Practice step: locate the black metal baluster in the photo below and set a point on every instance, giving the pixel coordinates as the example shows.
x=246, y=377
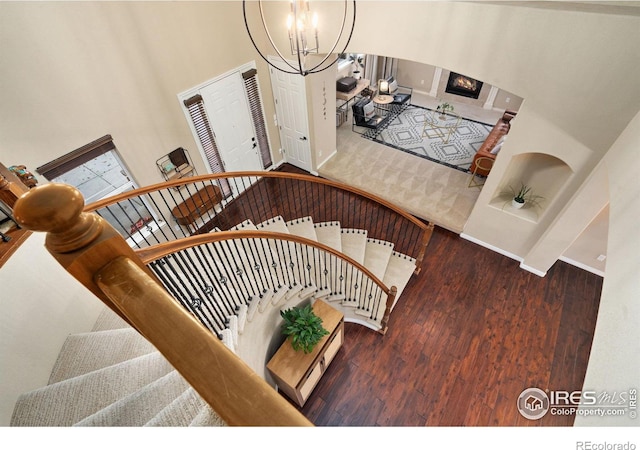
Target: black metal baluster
x=232, y=296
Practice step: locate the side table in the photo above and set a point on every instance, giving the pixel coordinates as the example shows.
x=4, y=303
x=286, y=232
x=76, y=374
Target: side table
x=439, y=125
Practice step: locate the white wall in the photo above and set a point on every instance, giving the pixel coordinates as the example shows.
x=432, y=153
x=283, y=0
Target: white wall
x=614, y=363
x=74, y=71
x=41, y=305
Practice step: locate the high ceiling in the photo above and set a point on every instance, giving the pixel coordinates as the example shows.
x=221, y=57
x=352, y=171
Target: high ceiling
x=629, y=8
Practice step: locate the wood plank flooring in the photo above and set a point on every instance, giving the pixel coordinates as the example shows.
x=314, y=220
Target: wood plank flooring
x=468, y=335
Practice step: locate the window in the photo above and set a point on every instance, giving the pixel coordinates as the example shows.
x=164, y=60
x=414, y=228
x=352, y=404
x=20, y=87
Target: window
x=97, y=171
x=255, y=104
x=195, y=106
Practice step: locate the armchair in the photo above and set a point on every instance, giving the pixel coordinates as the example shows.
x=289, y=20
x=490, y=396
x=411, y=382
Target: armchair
x=401, y=94
x=365, y=116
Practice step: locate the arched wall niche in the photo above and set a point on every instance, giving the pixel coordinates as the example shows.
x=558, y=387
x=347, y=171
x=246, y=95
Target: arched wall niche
x=544, y=173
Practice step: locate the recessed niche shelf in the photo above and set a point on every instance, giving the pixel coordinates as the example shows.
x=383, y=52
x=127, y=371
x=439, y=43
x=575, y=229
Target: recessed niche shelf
x=527, y=212
x=545, y=174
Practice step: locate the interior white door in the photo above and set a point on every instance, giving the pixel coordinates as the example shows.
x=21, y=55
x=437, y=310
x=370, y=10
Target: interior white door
x=228, y=112
x=291, y=110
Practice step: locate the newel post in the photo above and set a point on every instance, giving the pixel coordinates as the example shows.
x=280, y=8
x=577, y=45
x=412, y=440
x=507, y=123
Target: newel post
x=82, y=243
x=426, y=237
x=391, y=298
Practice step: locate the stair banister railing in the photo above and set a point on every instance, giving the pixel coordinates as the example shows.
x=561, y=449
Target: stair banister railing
x=98, y=256
x=150, y=254
x=273, y=191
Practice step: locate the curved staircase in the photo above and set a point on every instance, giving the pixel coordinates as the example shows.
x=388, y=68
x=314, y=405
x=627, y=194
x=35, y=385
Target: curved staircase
x=112, y=376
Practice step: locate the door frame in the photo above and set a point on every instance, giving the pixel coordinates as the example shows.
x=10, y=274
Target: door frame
x=184, y=95
x=276, y=60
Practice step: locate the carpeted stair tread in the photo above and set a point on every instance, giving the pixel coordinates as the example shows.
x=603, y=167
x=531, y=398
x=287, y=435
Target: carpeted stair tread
x=354, y=243
x=85, y=352
x=244, y=225
x=399, y=272
x=207, y=417
x=376, y=257
x=180, y=412
x=275, y=224
x=139, y=407
x=108, y=320
x=328, y=233
x=303, y=227
x=67, y=402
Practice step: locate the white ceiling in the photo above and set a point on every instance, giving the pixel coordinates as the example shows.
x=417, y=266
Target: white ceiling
x=625, y=8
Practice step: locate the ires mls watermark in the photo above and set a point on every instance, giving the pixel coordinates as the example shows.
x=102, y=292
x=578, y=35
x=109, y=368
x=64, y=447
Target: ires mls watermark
x=534, y=403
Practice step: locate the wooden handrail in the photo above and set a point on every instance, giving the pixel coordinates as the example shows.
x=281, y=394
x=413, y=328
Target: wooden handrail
x=237, y=394
x=150, y=254
x=399, y=228
x=199, y=178
x=97, y=256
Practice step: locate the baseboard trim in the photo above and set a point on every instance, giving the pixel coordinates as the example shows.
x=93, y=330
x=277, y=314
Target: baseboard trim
x=491, y=247
x=327, y=159
x=532, y=270
x=582, y=266
x=503, y=253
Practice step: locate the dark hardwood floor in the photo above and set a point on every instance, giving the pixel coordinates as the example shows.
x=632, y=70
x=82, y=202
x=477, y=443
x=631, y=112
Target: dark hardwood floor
x=468, y=335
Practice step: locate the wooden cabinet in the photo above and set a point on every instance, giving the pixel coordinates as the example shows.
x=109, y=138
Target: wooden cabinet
x=297, y=373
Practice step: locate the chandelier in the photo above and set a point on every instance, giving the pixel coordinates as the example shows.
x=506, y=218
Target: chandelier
x=301, y=26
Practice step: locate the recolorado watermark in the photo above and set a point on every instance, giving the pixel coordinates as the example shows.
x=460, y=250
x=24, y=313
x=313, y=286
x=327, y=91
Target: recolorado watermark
x=534, y=403
x=588, y=445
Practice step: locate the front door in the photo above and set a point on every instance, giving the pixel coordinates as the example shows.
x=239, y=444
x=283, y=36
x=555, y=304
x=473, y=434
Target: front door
x=228, y=112
x=291, y=110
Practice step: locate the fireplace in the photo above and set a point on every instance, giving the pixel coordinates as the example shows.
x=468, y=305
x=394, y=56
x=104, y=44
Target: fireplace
x=463, y=85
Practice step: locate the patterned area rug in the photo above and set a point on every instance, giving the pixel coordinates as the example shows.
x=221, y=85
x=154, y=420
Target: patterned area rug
x=405, y=133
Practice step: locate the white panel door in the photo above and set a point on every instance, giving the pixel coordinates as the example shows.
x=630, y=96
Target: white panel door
x=228, y=112
x=291, y=109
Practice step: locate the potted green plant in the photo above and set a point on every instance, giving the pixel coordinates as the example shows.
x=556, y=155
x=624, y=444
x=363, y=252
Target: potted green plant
x=443, y=108
x=523, y=196
x=303, y=326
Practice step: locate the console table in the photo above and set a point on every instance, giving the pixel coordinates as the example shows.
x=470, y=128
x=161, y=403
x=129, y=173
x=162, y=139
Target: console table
x=342, y=110
x=297, y=373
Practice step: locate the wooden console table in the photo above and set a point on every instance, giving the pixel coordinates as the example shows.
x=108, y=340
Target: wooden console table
x=187, y=212
x=297, y=373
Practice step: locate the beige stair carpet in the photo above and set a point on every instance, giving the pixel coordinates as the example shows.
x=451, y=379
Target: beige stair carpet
x=328, y=233
x=180, y=412
x=302, y=227
x=67, y=402
x=108, y=320
x=354, y=243
x=85, y=352
x=376, y=256
x=140, y=406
